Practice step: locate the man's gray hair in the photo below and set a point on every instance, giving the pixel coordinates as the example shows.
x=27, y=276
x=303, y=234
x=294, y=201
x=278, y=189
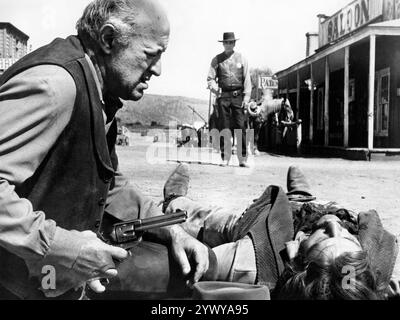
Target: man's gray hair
x=120, y=13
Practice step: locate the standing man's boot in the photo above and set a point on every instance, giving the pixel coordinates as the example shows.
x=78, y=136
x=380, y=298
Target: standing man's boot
x=244, y=164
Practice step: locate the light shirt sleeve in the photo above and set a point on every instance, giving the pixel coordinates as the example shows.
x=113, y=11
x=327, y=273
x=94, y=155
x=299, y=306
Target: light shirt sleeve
x=247, y=81
x=212, y=77
x=35, y=107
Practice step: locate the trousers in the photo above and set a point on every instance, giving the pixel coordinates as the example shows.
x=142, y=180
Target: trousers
x=215, y=227
x=232, y=123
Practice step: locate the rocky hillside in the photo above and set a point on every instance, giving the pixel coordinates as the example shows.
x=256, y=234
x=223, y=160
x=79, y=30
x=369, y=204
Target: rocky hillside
x=160, y=110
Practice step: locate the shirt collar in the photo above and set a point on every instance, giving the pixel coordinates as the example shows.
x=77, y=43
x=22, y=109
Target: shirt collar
x=110, y=104
x=95, y=77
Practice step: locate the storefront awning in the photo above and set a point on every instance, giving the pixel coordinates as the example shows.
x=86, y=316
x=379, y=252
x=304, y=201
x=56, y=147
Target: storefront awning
x=387, y=28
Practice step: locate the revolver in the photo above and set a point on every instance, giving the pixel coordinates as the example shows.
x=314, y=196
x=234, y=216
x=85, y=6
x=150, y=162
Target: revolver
x=129, y=233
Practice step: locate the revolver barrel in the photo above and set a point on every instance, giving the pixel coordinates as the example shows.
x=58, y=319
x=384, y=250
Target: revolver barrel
x=132, y=230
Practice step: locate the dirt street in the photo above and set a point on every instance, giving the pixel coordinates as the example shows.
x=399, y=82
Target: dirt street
x=355, y=185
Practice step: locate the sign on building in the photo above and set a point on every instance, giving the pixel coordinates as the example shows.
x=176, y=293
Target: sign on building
x=267, y=83
x=352, y=17
x=391, y=9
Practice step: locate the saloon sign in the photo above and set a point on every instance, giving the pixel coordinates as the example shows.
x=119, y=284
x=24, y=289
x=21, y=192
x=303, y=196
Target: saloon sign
x=357, y=14
x=267, y=83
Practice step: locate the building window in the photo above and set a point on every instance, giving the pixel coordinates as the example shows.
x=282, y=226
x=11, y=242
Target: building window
x=382, y=103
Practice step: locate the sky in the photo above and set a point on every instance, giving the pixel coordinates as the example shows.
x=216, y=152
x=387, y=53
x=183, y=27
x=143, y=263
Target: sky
x=271, y=33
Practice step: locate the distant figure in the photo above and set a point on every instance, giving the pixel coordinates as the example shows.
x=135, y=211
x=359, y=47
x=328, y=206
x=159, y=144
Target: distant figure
x=213, y=125
x=255, y=122
x=229, y=79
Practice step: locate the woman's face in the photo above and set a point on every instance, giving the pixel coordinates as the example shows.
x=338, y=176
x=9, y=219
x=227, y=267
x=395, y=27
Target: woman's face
x=328, y=241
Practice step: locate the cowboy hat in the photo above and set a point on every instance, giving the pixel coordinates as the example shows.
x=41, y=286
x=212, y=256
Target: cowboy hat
x=215, y=290
x=228, y=36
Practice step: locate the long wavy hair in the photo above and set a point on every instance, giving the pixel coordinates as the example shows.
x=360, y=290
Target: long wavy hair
x=347, y=277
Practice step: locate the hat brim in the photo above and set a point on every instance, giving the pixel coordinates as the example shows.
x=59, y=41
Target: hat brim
x=228, y=40
x=300, y=198
x=217, y=290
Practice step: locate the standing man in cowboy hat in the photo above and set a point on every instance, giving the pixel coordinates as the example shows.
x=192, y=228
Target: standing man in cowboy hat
x=229, y=79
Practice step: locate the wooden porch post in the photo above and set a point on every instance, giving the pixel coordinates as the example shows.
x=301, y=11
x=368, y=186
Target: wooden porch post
x=298, y=96
x=326, y=102
x=346, y=98
x=371, y=92
x=311, y=135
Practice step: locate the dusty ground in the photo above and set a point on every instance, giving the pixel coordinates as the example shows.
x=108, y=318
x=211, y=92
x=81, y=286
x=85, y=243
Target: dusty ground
x=355, y=185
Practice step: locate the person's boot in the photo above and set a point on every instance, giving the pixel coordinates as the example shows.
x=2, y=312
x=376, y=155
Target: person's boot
x=244, y=164
x=297, y=186
x=224, y=163
x=177, y=185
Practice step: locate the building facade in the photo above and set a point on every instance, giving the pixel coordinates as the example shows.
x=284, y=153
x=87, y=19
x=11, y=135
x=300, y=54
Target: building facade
x=13, y=45
x=347, y=92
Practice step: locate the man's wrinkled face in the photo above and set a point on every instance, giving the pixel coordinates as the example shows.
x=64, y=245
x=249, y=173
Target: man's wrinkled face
x=130, y=68
x=328, y=240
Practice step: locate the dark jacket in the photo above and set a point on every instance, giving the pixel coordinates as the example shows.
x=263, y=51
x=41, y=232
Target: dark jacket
x=269, y=224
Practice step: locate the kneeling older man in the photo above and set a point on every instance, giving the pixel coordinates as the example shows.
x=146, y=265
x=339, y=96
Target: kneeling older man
x=58, y=167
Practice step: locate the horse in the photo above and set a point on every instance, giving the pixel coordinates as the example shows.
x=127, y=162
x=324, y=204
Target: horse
x=280, y=107
x=277, y=112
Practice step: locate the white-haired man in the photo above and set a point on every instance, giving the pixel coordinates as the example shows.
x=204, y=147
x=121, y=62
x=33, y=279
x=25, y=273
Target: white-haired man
x=58, y=167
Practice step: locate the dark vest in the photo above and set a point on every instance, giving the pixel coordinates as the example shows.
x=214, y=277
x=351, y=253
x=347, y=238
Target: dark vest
x=230, y=72
x=71, y=184
x=269, y=223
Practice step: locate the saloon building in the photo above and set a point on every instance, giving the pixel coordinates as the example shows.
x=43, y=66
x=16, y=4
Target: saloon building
x=347, y=90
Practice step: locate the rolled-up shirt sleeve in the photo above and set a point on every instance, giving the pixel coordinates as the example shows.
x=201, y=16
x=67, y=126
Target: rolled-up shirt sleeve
x=35, y=107
x=212, y=77
x=247, y=81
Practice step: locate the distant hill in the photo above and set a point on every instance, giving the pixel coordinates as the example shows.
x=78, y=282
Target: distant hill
x=161, y=110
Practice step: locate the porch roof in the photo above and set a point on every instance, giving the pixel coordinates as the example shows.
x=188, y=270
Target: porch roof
x=387, y=28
